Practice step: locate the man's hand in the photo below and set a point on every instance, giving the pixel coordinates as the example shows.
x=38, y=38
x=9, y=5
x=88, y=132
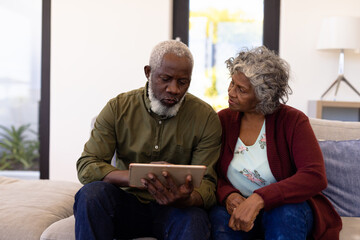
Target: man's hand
x=232, y=201
x=245, y=213
x=171, y=194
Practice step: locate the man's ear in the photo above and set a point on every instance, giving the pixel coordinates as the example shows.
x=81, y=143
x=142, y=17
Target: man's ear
x=147, y=70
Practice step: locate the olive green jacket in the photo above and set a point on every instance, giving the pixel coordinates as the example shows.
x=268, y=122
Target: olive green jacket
x=126, y=126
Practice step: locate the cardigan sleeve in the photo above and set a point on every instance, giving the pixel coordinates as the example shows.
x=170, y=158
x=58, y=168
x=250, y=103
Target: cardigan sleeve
x=224, y=187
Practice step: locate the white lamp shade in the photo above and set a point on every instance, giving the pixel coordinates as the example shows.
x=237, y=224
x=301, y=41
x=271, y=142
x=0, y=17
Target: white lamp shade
x=340, y=33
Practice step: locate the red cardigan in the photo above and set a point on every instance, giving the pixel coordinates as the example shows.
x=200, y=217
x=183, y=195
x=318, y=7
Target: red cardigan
x=295, y=160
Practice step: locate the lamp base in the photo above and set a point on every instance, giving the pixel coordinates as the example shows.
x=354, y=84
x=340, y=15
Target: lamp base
x=337, y=82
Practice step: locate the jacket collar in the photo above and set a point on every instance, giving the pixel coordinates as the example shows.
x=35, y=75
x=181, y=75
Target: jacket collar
x=146, y=98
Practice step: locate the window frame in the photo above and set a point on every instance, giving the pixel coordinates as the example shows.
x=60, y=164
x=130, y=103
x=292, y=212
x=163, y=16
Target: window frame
x=271, y=24
x=44, y=111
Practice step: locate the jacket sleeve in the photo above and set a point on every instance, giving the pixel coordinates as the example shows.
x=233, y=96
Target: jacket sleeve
x=95, y=161
x=206, y=153
x=224, y=189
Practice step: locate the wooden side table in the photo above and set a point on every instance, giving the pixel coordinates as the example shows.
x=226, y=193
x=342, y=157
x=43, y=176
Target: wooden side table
x=335, y=110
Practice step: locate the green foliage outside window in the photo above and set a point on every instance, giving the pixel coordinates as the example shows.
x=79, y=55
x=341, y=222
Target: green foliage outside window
x=17, y=150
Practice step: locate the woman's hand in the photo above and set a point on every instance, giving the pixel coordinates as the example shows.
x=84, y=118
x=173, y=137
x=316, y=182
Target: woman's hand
x=244, y=215
x=232, y=201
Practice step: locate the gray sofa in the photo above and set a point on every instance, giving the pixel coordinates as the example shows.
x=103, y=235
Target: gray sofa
x=42, y=209
x=340, y=144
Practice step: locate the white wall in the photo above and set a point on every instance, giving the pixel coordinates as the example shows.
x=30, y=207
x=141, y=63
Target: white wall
x=98, y=50
x=313, y=71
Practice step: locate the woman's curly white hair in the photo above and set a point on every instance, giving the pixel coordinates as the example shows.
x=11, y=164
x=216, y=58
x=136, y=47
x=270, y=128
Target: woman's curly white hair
x=268, y=74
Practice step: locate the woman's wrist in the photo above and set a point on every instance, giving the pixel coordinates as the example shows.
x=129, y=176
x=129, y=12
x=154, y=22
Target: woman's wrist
x=258, y=200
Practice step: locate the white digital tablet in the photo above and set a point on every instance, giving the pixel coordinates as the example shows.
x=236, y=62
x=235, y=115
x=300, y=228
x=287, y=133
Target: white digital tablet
x=178, y=173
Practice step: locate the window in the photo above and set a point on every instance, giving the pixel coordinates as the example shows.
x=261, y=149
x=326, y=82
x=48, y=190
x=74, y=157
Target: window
x=217, y=30
x=20, y=80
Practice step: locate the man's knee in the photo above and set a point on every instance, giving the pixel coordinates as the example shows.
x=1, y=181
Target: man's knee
x=92, y=190
x=195, y=214
x=93, y=193
x=189, y=223
x=194, y=220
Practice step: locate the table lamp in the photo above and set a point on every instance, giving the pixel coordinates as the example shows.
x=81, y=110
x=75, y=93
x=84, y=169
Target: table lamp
x=340, y=33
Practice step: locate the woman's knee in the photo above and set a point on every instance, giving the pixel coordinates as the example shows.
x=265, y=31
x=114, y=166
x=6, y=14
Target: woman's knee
x=218, y=214
x=290, y=211
x=293, y=220
x=219, y=219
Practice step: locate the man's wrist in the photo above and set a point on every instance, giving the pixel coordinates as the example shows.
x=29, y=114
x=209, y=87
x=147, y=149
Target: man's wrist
x=195, y=199
x=118, y=177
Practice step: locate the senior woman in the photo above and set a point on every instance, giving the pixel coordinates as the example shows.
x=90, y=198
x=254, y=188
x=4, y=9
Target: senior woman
x=271, y=170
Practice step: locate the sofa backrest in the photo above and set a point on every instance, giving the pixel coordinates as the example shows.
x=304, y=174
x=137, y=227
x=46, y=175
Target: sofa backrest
x=340, y=145
x=335, y=130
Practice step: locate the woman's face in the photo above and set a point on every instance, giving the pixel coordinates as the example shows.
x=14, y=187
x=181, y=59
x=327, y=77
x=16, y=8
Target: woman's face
x=241, y=94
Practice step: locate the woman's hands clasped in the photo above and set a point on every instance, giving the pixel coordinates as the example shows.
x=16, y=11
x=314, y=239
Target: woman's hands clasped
x=232, y=201
x=243, y=211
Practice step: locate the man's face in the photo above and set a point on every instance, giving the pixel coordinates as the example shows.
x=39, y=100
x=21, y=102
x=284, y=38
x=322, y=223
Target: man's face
x=169, y=83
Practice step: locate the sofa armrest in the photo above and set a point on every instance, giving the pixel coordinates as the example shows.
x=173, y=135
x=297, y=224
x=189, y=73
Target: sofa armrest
x=351, y=228
x=28, y=207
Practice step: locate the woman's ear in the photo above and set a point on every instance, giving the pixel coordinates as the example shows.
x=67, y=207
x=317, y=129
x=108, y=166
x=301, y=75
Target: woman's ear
x=147, y=70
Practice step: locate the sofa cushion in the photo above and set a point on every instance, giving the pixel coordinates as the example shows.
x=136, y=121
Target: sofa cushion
x=60, y=230
x=342, y=163
x=65, y=230
x=28, y=207
x=335, y=130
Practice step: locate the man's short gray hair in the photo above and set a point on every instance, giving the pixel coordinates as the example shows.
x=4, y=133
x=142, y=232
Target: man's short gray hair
x=268, y=74
x=170, y=46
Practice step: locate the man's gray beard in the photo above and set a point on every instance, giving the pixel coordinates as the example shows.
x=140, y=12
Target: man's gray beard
x=159, y=108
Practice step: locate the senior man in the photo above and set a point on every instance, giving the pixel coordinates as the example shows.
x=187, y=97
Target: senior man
x=160, y=122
